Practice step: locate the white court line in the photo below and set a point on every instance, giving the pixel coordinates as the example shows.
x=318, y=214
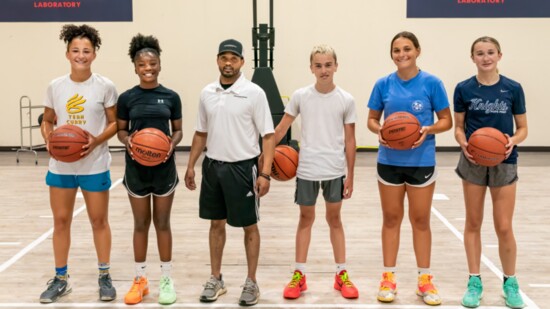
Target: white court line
x=484, y=259
x=534, y=285
x=220, y=305
x=40, y=239
x=9, y=243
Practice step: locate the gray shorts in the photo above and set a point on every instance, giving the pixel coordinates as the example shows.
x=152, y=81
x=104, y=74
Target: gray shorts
x=494, y=176
x=308, y=190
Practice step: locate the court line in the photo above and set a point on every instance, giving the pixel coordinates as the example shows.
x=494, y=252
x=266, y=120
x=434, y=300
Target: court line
x=530, y=303
x=535, y=285
x=44, y=236
x=233, y=305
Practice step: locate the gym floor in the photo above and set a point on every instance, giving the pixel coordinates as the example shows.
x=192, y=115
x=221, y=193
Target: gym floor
x=26, y=258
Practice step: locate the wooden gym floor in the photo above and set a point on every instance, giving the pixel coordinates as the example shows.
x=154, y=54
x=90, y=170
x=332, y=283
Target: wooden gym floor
x=26, y=259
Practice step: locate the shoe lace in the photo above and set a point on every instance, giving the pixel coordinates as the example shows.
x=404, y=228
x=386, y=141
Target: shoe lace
x=211, y=284
x=425, y=284
x=249, y=287
x=345, y=279
x=511, y=288
x=388, y=282
x=52, y=283
x=295, y=280
x=135, y=285
x=105, y=282
x=164, y=283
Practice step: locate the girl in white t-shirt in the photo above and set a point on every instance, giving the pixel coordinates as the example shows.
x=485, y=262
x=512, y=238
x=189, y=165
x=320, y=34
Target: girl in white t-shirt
x=87, y=100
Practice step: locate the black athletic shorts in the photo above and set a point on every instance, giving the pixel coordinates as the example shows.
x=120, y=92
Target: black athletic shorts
x=416, y=176
x=142, y=181
x=227, y=192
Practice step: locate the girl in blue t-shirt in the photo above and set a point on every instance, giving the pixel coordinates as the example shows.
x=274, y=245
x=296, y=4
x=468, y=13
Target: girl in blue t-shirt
x=489, y=100
x=408, y=172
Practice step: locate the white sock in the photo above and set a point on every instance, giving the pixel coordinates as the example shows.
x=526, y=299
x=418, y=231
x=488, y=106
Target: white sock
x=301, y=267
x=390, y=269
x=140, y=269
x=165, y=268
x=424, y=271
x=340, y=267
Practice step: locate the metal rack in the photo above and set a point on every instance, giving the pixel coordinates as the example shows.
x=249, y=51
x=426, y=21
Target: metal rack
x=25, y=106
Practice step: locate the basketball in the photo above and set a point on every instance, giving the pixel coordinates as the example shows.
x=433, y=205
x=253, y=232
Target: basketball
x=65, y=143
x=488, y=146
x=285, y=163
x=400, y=130
x=150, y=146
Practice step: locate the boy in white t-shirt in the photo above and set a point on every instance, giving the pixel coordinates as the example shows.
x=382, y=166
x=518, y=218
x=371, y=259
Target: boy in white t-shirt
x=327, y=159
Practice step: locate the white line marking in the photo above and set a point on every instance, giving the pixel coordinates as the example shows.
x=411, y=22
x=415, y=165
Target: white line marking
x=46, y=216
x=9, y=243
x=220, y=305
x=484, y=259
x=535, y=285
x=79, y=195
x=440, y=197
x=40, y=239
x=491, y=246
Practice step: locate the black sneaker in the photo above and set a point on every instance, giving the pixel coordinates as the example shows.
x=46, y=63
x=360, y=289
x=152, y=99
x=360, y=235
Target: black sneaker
x=107, y=291
x=56, y=288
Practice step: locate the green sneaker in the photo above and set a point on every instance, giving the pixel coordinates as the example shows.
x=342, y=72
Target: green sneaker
x=474, y=293
x=511, y=293
x=167, y=293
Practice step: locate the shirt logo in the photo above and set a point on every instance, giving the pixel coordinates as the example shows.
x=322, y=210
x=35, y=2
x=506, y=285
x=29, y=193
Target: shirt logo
x=160, y=101
x=496, y=107
x=503, y=91
x=74, y=104
x=417, y=106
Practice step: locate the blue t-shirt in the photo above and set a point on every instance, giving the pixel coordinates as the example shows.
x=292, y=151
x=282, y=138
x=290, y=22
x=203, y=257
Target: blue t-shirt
x=421, y=96
x=490, y=106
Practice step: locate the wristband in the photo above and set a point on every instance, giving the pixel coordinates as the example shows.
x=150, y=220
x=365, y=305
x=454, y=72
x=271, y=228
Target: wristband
x=266, y=176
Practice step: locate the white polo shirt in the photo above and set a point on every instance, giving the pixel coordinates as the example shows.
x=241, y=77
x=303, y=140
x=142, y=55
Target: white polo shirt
x=82, y=104
x=234, y=118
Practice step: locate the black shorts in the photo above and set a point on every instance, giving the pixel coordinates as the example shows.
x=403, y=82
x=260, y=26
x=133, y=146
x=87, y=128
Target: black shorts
x=416, y=176
x=141, y=181
x=227, y=192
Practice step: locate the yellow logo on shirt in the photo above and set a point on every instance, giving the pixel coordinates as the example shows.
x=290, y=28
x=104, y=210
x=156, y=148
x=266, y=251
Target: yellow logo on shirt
x=74, y=104
x=74, y=107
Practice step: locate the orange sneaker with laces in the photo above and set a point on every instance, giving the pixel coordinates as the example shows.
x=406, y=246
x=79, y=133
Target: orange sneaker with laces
x=427, y=290
x=295, y=287
x=388, y=288
x=139, y=289
x=345, y=286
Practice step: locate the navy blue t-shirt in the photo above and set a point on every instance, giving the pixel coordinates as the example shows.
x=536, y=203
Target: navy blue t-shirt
x=149, y=108
x=490, y=106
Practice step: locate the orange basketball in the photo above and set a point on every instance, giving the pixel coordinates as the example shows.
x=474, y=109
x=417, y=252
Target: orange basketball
x=488, y=146
x=401, y=130
x=285, y=163
x=150, y=146
x=65, y=143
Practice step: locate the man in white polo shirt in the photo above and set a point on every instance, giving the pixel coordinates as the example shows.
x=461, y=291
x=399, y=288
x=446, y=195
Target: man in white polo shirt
x=233, y=113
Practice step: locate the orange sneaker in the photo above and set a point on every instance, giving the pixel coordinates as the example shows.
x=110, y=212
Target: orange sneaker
x=139, y=289
x=388, y=288
x=345, y=286
x=427, y=290
x=295, y=286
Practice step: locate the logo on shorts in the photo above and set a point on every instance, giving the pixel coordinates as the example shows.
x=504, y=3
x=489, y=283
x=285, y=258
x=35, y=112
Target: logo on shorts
x=428, y=176
x=249, y=194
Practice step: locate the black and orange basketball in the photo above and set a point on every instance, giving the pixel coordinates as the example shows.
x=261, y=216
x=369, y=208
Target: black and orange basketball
x=400, y=130
x=488, y=146
x=150, y=146
x=285, y=163
x=65, y=143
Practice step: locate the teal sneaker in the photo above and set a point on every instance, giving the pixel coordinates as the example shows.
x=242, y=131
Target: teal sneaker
x=167, y=293
x=474, y=293
x=511, y=293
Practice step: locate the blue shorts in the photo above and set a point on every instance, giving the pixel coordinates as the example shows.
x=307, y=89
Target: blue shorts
x=93, y=183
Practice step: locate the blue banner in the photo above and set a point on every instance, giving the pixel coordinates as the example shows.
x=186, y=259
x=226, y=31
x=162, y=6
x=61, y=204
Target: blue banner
x=477, y=8
x=65, y=11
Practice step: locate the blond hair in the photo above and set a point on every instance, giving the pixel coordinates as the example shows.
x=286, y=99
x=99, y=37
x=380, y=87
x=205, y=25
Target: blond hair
x=324, y=50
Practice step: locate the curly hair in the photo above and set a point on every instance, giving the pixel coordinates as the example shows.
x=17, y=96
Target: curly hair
x=69, y=32
x=143, y=44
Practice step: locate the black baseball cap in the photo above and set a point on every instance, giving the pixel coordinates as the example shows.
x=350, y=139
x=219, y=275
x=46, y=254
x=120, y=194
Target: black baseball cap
x=232, y=46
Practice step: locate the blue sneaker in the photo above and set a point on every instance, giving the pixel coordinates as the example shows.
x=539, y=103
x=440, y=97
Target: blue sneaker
x=511, y=293
x=474, y=293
